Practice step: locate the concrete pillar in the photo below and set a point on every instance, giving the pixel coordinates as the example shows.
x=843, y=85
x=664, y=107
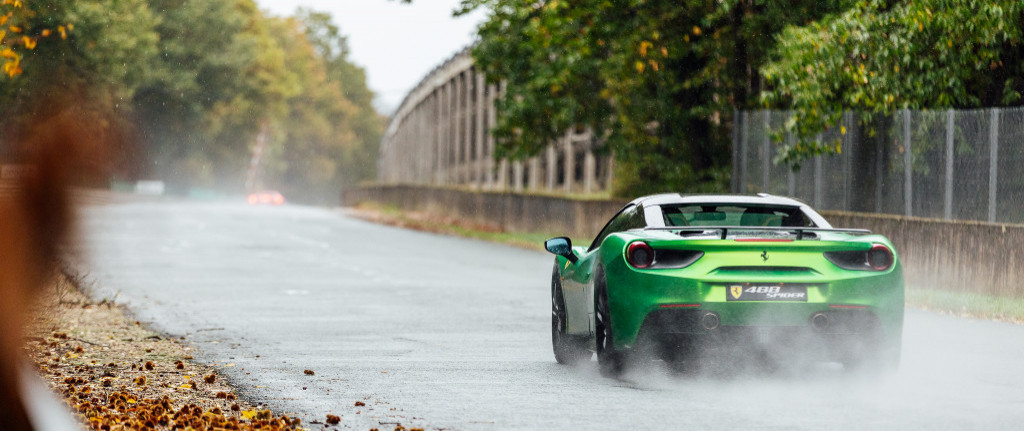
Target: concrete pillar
x=491, y=120
x=502, y=180
x=445, y=111
x=517, y=176
x=589, y=170
x=551, y=157
x=456, y=127
x=468, y=135
x=534, y=172
x=570, y=163
x=435, y=119
x=422, y=143
x=480, y=105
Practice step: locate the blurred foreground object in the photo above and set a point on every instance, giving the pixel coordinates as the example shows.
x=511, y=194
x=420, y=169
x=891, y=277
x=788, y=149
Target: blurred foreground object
x=35, y=218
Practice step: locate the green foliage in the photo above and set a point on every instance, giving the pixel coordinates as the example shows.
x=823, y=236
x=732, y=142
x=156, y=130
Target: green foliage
x=878, y=57
x=194, y=82
x=659, y=78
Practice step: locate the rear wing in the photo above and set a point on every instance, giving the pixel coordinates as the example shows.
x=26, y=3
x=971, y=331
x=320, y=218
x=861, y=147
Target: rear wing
x=798, y=231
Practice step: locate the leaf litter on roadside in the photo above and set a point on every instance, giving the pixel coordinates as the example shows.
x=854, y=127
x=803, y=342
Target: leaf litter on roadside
x=116, y=375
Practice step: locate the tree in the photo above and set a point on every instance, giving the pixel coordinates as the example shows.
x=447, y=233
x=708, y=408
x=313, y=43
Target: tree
x=659, y=79
x=878, y=57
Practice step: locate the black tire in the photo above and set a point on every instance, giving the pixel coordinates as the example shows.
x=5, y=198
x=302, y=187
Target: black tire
x=568, y=349
x=610, y=362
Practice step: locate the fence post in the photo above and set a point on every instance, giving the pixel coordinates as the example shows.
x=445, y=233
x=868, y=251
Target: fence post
x=947, y=206
x=791, y=181
x=993, y=162
x=908, y=158
x=817, y=175
x=736, y=151
x=743, y=151
x=847, y=158
x=766, y=166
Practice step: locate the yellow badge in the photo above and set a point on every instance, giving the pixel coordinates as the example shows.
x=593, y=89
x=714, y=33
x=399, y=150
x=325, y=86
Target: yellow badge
x=736, y=291
x=567, y=263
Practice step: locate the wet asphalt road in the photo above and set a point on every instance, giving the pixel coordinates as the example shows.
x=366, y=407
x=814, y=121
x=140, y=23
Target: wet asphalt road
x=452, y=333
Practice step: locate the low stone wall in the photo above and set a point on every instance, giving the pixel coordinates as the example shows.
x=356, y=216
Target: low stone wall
x=512, y=212
x=963, y=256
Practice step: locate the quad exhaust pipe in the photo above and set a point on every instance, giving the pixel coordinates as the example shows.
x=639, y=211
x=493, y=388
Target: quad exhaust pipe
x=820, y=321
x=710, y=321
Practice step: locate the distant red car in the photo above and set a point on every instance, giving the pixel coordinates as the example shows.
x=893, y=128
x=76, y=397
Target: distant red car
x=269, y=197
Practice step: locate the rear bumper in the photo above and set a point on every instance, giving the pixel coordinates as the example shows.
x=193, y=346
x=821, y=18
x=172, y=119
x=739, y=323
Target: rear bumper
x=830, y=335
x=837, y=310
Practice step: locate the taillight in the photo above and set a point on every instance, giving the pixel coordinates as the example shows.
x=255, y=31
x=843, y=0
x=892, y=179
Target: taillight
x=640, y=255
x=880, y=257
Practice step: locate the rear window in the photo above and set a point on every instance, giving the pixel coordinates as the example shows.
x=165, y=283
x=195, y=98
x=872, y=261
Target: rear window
x=734, y=215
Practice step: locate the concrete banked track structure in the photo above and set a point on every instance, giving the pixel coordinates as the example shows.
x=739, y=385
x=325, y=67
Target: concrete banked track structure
x=440, y=135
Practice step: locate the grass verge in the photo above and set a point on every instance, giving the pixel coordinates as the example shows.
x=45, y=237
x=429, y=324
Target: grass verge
x=393, y=216
x=967, y=304
x=940, y=301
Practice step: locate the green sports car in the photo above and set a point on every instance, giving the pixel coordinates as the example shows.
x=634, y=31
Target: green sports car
x=675, y=276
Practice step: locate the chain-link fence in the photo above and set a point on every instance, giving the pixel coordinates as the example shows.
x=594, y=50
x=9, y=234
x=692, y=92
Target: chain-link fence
x=966, y=165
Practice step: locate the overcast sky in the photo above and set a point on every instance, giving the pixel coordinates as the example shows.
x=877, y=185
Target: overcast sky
x=396, y=43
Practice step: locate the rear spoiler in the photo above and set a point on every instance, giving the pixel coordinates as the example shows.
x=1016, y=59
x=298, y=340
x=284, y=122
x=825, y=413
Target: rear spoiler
x=799, y=231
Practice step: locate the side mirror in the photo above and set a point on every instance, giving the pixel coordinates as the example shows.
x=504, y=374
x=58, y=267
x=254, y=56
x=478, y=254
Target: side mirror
x=561, y=246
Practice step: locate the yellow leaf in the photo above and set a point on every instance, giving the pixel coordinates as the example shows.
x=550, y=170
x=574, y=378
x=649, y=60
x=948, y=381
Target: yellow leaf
x=696, y=31
x=842, y=130
x=643, y=48
x=185, y=386
x=29, y=42
x=639, y=67
x=15, y=29
x=46, y=32
x=71, y=27
x=249, y=414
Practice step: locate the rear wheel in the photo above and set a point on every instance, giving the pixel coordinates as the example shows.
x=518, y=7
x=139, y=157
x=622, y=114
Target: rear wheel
x=610, y=362
x=568, y=349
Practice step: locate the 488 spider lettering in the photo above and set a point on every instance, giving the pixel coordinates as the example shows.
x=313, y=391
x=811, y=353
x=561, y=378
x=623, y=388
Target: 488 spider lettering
x=675, y=275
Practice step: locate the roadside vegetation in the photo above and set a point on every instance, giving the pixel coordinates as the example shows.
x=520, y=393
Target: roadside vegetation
x=187, y=90
x=663, y=78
